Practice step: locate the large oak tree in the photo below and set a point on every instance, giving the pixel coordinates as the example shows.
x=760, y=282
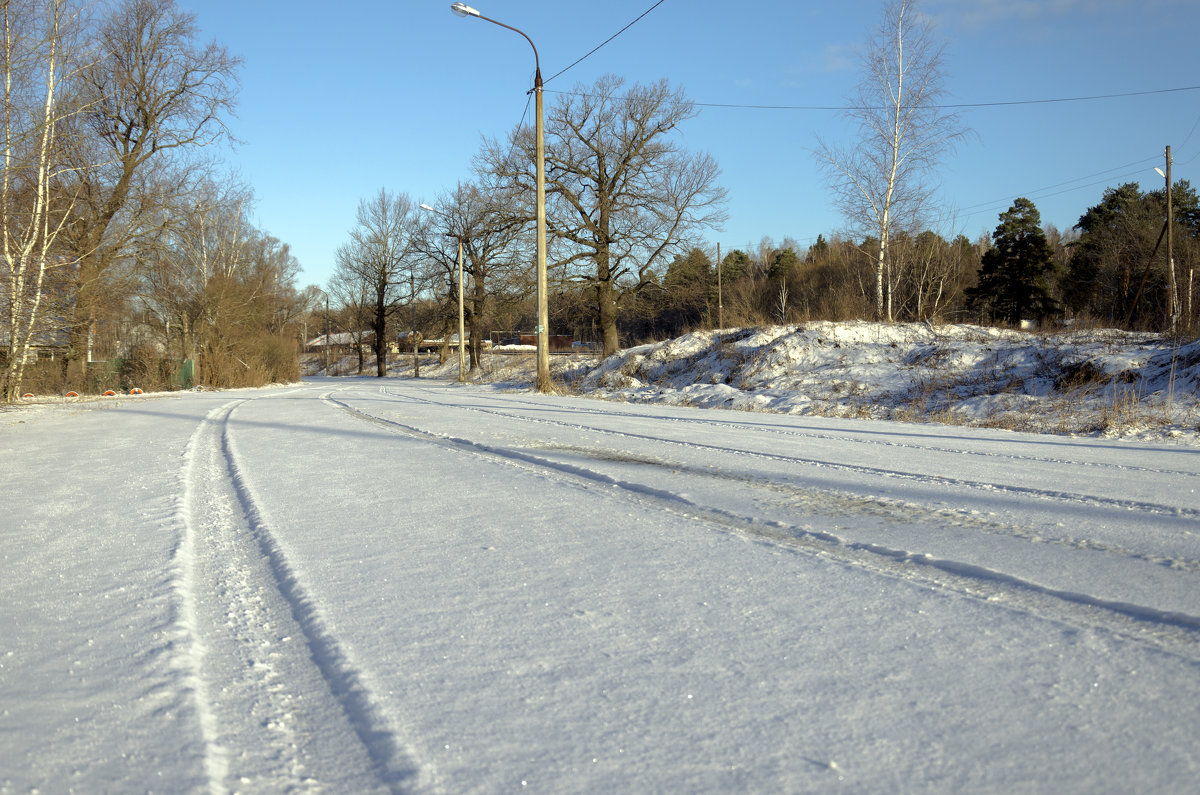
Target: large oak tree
x=622, y=194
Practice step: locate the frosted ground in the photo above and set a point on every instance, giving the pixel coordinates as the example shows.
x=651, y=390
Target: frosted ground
x=365, y=585
x=1095, y=382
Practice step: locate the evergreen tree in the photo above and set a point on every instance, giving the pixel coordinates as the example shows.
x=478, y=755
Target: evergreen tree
x=688, y=287
x=783, y=264
x=688, y=271
x=1014, y=272
x=817, y=251
x=734, y=265
x=1109, y=276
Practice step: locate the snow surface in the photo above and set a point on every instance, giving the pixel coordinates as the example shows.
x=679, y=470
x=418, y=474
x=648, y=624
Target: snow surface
x=365, y=585
x=1095, y=382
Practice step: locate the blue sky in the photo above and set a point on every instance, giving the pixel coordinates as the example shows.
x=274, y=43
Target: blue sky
x=339, y=100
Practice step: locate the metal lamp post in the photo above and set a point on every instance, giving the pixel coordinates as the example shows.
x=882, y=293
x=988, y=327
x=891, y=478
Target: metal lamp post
x=543, y=315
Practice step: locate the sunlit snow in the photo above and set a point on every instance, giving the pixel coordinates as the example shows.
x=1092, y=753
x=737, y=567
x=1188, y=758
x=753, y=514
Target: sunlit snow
x=374, y=585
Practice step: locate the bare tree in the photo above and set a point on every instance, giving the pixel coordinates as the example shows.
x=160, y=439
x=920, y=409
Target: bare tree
x=39, y=49
x=378, y=259
x=476, y=214
x=354, y=309
x=153, y=96
x=218, y=291
x=621, y=194
x=882, y=183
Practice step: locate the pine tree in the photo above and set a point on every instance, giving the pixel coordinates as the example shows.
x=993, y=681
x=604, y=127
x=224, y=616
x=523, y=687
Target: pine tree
x=1108, y=267
x=1015, y=271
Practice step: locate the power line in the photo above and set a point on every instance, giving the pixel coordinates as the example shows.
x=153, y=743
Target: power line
x=606, y=41
x=1073, y=99
x=975, y=209
x=955, y=105
x=980, y=209
x=1188, y=138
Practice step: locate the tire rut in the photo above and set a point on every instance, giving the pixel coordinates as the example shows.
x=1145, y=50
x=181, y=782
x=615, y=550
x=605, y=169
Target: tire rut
x=823, y=435
x=1049, y=495
x=282, y=708
x=1173, y=632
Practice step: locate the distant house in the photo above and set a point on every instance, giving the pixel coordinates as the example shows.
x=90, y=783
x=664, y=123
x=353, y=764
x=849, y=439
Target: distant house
x=51, y=340
x=49, y=344
x=51, y=334
x=340, y=343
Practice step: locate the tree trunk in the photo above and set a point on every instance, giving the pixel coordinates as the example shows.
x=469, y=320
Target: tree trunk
x=607, y=305
x=879, y=276
x=478, y=305
x=606, y=302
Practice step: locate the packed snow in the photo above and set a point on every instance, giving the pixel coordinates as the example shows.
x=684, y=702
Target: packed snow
x=414, y=585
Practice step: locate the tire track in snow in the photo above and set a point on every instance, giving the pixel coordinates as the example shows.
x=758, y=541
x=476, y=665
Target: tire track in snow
x=1116, y=503
x=1173, y=631
x=824, y=500
x=823, y=435
x=282, y=707
x=833, y=503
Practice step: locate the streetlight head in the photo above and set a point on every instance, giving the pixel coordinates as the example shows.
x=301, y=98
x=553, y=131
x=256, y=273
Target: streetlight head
x=1160, y=173
x=463, y=10
x=426, y=207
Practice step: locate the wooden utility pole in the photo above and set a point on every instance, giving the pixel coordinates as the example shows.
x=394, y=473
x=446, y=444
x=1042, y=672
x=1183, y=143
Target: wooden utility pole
x=720, y=305
x=1171, y=249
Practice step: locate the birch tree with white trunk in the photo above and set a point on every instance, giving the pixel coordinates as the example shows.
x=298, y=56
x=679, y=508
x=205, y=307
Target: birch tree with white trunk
x=884, y=181
x=38, y=39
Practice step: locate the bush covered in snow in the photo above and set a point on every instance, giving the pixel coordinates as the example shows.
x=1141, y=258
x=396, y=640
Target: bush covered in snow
x=1095, y=382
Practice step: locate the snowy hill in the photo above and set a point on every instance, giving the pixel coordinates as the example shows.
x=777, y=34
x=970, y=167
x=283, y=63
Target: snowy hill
x=1095, y=382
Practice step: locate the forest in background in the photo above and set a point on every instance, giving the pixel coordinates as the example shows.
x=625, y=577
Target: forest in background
x=130, y=258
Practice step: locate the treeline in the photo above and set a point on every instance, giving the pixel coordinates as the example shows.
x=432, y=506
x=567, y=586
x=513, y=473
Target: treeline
x=1112, y=269
x=1106, y=270
x=128, y=256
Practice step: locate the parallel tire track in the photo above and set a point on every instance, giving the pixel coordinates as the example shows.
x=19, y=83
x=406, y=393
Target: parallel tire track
x=1116, y=503
x=1173, y=631
x=282, y=706
x=841, y=436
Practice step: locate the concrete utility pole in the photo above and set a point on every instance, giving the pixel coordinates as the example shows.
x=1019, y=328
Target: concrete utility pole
x=412, y=293
x=462, y=351
x=543, y=314
x=1169, y=229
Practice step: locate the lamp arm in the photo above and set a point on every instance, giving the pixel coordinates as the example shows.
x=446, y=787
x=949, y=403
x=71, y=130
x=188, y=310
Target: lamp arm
x=537, y=80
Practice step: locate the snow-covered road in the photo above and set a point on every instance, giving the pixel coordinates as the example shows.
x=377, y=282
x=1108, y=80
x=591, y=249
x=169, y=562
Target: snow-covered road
x=359, y=585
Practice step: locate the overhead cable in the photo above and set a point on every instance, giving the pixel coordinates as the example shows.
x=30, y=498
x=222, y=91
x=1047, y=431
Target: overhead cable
x=606, y=41
x=953, y=106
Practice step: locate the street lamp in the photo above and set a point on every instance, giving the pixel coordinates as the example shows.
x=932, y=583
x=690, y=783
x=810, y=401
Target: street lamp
x=543, y=315
x=462, y=368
